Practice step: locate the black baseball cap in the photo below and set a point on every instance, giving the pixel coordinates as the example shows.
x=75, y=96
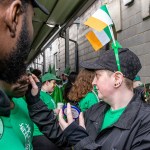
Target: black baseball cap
x=35, y=3
x=129, y=63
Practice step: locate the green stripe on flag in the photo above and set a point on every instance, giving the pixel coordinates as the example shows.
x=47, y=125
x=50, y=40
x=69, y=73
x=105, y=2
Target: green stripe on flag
x=104, y=8
x=107, y=31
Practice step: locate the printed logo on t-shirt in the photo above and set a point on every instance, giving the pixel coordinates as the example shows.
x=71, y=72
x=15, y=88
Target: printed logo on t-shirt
x=26, y=130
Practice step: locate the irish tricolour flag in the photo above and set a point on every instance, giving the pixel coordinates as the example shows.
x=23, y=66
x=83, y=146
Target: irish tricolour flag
x=100, y=21
x=99, y=39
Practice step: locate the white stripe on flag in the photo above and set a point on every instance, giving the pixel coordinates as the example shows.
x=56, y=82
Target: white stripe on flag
x=102, y=36
x=103, y=16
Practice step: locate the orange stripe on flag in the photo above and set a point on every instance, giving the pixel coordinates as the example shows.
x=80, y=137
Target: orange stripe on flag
x=93, y=40
x=95, y=24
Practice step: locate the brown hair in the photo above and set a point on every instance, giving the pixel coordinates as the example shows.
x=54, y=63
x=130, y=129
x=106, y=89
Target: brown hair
x=82, y=85
x=129, y=83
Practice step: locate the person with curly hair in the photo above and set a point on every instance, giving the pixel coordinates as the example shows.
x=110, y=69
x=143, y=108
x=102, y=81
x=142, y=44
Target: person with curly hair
x=82, y=91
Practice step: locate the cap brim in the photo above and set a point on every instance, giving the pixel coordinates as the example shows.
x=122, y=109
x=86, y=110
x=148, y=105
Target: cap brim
x=91, y=66
x=40, y=6
x=55, y=79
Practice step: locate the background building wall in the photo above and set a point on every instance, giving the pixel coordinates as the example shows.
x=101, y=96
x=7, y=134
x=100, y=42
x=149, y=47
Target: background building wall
x=133, y=31
x=135, y=34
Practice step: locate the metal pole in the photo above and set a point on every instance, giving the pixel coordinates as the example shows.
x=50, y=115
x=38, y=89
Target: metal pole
x=44, y=63
x=67, y=47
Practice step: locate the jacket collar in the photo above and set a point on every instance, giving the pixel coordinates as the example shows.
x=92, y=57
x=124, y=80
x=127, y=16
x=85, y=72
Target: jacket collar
x=97, y=115
x=128, y=116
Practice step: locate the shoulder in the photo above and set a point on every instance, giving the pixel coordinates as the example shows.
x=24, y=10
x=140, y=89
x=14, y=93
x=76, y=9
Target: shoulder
x=45, y=96
x=144, y=107
x=87, y=97
x=98, y=105
x=19, y=101
x=142, y=115
x=90, y=95
x=96, y=108
x=145, y=110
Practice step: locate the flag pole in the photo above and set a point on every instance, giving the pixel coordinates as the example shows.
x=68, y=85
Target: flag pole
x=112, y=34
x=115, y=49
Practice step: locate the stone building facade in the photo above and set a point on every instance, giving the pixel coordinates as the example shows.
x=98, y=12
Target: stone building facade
x=132, y=22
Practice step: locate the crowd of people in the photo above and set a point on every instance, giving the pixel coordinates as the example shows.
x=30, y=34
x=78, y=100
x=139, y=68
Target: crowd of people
x=114, y=114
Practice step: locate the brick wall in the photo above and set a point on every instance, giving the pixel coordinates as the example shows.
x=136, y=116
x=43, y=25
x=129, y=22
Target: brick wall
x=135, y=35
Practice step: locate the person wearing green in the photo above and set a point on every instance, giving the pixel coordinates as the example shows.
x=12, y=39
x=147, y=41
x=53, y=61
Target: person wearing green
x=89, y=100
x=137, y=81
x=81, y=92
x=15, y=41
x=18, y=128
x=111, y=116
x=57, y=94
x=41, y=142
x=64, y=77
x=128, y=129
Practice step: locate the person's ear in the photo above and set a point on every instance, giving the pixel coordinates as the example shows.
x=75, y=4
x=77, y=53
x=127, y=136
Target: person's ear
x=118, y=79
x=12, y=15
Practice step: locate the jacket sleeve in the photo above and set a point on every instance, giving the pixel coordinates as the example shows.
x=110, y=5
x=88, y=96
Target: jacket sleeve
x=47, y=123
x=78, y=136
x=83, y=141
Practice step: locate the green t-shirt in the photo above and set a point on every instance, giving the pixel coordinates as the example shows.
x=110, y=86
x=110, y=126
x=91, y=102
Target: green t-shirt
x=111, y=116
x=48, y=100
x=89, y=100
x=18, y=128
